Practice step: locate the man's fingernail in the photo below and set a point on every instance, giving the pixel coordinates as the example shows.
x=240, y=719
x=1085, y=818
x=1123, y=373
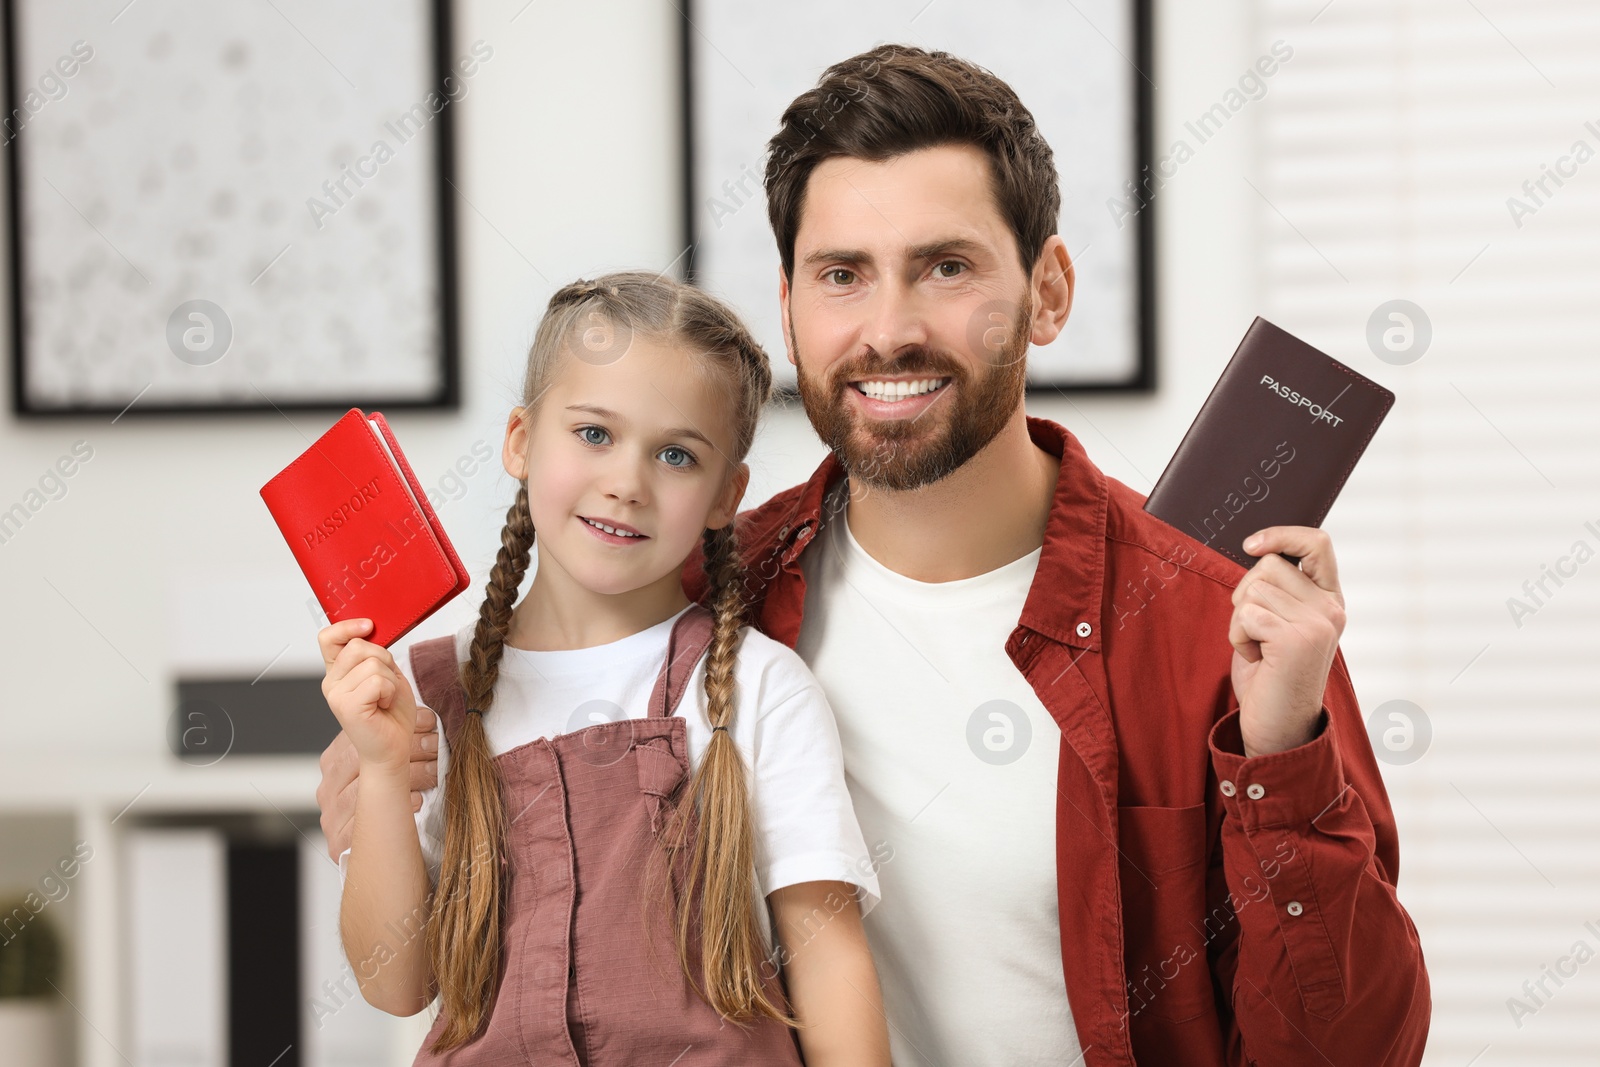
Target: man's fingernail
x=1251, y=542
x=427, y=743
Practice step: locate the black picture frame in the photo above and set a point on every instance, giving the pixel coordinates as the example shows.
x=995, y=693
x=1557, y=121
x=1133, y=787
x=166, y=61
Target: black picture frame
x=694, y=47
x=445, y=391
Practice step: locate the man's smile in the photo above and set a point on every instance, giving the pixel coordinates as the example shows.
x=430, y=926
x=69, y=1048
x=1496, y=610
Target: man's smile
x=895, y=389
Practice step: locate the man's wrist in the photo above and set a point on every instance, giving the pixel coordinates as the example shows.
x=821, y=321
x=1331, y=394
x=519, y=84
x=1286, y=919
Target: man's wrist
x=1289, y=788
x=1311, y=731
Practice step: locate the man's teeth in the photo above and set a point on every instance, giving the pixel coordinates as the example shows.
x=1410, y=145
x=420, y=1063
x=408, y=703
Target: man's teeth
x=892, y=391
x=611, y=530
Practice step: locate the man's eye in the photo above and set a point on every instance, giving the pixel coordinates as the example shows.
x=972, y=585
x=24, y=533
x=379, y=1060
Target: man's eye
x=676, y=457
x=834, y=276
x=950, y=263
x=593, y=435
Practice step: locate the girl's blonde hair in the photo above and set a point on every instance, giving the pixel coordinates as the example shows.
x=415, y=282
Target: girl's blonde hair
x=596, y=321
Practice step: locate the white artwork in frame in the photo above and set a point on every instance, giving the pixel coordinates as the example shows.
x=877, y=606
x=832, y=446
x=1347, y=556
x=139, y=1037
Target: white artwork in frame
x=1080, y=68
x=232, y=206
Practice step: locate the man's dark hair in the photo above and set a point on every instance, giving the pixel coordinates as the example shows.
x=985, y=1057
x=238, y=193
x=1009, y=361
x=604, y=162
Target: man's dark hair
x=896, y=99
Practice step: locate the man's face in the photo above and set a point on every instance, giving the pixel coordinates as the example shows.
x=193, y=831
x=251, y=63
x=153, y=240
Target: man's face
x=908, y=315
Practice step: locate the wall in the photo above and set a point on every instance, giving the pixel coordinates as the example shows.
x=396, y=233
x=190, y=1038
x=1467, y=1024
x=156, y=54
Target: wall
x=161, y=556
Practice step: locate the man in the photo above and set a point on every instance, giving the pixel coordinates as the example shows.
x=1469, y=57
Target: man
x=1120, y=788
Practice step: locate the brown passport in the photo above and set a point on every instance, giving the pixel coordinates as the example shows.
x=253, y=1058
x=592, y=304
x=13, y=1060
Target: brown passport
x=1272, y=445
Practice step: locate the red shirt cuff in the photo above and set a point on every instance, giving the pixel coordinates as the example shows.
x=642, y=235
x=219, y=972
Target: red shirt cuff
x=1288, y=788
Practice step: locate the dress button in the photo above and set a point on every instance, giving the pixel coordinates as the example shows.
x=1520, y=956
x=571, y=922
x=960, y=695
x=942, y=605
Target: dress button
x=783, y=533
x=1293, y=907
x=1255, y=791
x=1226, y=787
x=1084, y=629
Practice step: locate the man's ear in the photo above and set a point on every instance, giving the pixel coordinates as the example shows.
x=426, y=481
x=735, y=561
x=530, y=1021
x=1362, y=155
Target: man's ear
x=514, y=450
x=1053, y=285
x=727, y=505
x=783, y=311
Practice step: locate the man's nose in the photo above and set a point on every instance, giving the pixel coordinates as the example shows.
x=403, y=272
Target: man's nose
x=896, y=318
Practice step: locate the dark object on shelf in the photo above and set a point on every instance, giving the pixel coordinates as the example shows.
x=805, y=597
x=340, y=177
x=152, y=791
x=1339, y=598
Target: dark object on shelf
x=273, y=716
x=264, y=953
x=30, y=952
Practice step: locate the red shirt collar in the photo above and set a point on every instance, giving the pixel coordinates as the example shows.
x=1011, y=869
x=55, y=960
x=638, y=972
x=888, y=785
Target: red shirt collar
x=1069, y=584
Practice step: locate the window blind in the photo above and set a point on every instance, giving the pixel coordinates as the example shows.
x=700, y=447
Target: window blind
x=1447, y=153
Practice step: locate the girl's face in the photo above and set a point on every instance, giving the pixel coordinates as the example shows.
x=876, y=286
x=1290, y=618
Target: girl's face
x=640, y=444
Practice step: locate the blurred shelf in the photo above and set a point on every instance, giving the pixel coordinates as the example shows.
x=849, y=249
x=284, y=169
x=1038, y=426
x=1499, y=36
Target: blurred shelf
x=48, y=807
x=235, y=783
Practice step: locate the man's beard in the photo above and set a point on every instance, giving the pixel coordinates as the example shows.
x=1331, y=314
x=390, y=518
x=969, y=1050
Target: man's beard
x=912, y=452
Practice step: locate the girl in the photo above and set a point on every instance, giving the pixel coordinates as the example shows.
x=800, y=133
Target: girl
x=590, y=882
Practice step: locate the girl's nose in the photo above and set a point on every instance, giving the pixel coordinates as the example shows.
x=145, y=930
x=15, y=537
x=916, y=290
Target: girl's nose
x=623, y=480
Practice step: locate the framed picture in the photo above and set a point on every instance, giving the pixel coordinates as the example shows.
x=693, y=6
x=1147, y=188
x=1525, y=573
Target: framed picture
x=242, y=207
x=1080, y=68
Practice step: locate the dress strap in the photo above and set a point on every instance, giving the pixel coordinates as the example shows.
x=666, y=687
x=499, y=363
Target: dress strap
x=690, y=637
x=438, y=675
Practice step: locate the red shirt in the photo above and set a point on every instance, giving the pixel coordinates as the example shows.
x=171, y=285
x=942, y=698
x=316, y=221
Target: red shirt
x=1215, y=909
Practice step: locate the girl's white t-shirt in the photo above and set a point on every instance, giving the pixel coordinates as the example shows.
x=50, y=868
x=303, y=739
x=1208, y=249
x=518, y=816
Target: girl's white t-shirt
x=805, y=826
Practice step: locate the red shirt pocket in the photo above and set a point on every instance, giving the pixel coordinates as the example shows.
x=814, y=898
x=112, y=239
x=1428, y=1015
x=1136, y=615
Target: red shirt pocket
x=1162, y=869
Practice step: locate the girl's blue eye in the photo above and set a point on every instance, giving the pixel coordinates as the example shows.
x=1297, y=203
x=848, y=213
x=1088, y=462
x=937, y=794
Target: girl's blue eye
x=673, y=455
x=674, y=450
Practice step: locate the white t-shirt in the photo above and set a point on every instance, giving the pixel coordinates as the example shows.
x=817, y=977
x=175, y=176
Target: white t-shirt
x=950, y=758
x=805, y=828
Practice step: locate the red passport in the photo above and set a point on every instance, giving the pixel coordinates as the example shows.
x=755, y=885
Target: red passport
x=359, y=525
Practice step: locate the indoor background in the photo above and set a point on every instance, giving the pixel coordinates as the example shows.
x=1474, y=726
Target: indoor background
x=1405, y=152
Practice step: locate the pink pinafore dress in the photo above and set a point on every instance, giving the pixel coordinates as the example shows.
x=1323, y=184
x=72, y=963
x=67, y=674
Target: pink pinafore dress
x=583, y=980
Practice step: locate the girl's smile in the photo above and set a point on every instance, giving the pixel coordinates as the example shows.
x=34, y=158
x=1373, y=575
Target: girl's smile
x=613, y=533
